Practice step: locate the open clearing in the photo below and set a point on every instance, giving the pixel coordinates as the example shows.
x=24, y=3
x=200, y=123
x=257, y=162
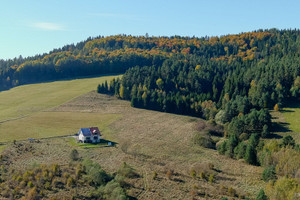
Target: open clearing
x=148, y=141
x=292, y=116
x=27, y=99
x=46, y=124
x=22, y=109
x=288, y=121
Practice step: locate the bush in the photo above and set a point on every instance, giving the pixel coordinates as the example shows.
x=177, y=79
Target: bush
x=261, y=195
x=30, y=184
x=269, y=174
x=111, y=191
x=127, y=171
x=32, y=194
x=70, y=182
x=74, y=155
x=288, y=141
x=169, y=174
x=222, y=147
x=202, y=175
x=99, y=176
x=204, y=140
x=193, y=174
x=211, y=178
x=283, y=188
x=154, y=176
x=47, y=185
x=231, y=192
x=95, y=174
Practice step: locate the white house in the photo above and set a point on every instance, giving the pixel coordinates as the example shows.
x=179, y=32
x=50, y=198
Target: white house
x=89, y=135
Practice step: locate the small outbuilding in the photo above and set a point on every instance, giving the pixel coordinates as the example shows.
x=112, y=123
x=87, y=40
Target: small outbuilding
x=89, y=135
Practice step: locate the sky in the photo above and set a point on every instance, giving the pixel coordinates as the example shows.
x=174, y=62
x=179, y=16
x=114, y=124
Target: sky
x=35, y=27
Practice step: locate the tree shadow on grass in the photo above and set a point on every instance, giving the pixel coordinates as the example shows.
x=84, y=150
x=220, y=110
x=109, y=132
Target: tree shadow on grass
x=274, y=136
x=103, y=143
x=287, y=111
x=280, y=127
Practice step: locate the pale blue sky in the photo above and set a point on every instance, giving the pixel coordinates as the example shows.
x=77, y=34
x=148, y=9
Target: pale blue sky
x=37, y=26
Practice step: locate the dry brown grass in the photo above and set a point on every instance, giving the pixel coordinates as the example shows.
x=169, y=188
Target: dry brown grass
x=148, y=141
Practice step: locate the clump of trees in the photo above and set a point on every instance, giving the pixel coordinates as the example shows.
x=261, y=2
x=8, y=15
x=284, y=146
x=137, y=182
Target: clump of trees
x=44, y=180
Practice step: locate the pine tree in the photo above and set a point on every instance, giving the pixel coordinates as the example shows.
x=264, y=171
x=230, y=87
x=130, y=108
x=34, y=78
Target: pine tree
x=261, y=195
x=99, y=89
x=250, y=154
x=265, y=132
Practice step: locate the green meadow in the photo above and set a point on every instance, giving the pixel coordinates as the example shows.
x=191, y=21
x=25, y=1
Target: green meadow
x=22, y=110
x=292, y=117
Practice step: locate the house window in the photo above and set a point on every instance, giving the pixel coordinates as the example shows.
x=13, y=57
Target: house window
x=87, y=138
x=95, y=137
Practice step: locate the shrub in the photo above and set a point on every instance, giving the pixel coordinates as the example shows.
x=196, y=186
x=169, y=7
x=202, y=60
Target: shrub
x=99, y=176
x=70, y=182
x=204, y=140
x=154, y=176
x=231, y=192
x=55, y=169
x=127, y=171
x=193, y=174
x=32, y=194
x=261, y=195
x=121, y=180
x=79, y=170
x=47, y=185
x=269, y=174
x=222, y=147
x=113, y=190
x=284, y=188
x=211, y=178
x=288, y=140
x=202, y=175
x=74, y=155
x=30, y=184
x=169, y=174
x=95, y=174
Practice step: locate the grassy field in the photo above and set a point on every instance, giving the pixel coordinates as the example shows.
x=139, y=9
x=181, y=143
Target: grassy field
x=292, y=116
x=23, y=110
x=149, y=141
x=46, y=124
x=27, y=99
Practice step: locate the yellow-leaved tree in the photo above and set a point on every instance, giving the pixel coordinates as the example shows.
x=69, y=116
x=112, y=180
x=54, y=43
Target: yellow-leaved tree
x=276, y=107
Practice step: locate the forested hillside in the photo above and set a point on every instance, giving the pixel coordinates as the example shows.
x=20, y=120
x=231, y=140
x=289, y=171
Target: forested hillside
x=232, y=81
x=205, y=58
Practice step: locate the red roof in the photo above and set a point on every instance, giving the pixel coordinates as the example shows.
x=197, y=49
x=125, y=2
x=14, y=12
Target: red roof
x=95, y=131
